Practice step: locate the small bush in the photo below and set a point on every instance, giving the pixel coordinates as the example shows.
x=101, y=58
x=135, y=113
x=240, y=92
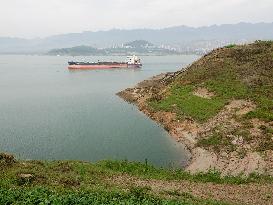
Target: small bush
x=6, y=159
x=230, y=46
x=210, y=141
x=266, y=143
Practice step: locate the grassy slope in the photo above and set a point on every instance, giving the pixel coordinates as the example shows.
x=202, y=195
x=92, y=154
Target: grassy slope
x=239, y=72
x=233, y=72
x=84, y=183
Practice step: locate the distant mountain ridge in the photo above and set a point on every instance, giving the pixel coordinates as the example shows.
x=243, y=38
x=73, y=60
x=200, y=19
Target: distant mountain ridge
x=137, y=47
x=172, y=36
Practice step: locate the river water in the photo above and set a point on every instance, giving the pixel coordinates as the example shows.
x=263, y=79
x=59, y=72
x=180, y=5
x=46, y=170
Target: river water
x=48, y=112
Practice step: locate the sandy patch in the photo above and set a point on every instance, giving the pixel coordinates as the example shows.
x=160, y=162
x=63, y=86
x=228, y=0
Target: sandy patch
x=203, y=93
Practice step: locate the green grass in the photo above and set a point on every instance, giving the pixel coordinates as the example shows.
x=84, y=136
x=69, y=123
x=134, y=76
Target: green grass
x=227, y=88
x=150, y=172
x=184, y=103
x=264, y=109
x=230, y=46
x=41, y=196
x=241, y=72
x=80, y=174
x=71, y=182
x=214, y=140
x=218, y=142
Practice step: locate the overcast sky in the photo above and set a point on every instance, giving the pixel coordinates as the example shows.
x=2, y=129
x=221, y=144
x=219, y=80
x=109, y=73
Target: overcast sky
x=40, y=18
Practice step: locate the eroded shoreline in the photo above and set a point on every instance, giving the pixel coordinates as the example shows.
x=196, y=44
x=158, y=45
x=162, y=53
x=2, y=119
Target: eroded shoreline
x=187, y=131
x=144, y=91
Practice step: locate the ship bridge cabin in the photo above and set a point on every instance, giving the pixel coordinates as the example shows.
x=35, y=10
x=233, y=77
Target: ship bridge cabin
x=133, y=60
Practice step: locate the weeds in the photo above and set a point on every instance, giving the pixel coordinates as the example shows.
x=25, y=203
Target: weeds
x=76, y=186
x=150, y=172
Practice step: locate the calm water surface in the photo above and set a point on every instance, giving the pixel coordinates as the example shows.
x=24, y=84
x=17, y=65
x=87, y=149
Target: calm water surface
x=49, y=112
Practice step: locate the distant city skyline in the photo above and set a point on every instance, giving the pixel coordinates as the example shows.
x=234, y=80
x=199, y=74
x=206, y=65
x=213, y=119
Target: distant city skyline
x=41, y=18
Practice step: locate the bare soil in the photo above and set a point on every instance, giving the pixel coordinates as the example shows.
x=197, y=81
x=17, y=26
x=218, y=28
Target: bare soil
x=235, y=194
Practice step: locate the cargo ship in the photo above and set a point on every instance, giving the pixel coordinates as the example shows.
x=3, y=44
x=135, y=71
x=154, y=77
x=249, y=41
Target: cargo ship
x=132, y=62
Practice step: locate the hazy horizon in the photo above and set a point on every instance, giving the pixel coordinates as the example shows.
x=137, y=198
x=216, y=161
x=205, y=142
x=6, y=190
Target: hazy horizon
x=125, y=29
x=111, y=29
x=40, y=18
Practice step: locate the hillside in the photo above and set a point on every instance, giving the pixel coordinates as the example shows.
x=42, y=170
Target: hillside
x=138, y=47
x=138, y=44
x=221, y=107
x=77, y=51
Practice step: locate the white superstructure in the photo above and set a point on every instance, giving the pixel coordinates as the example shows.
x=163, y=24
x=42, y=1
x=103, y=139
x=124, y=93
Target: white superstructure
x=133, y=60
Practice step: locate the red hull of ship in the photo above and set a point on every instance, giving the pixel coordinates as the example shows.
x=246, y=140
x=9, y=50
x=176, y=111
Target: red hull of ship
x=102, y=66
